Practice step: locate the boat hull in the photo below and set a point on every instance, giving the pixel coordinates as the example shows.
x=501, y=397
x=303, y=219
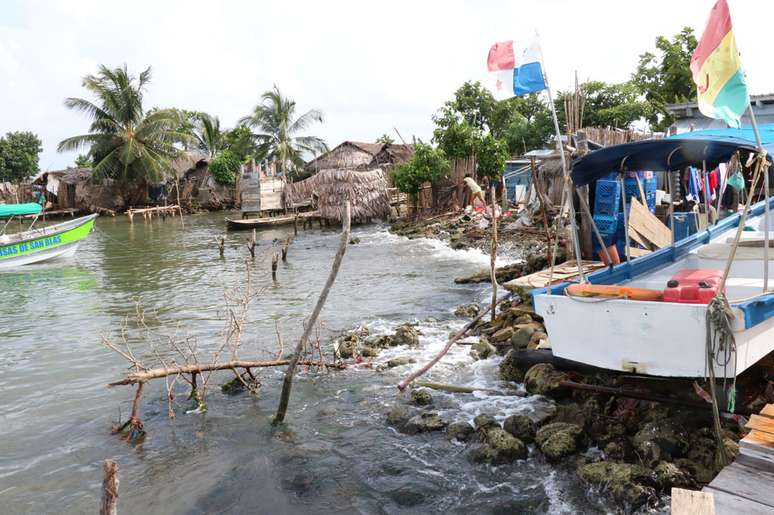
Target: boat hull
x=258, y=223
x=651, y=338
x=45, y=244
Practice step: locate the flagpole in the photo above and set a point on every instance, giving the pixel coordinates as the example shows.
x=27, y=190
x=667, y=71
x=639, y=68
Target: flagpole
x=566, y=175
x=766, y=199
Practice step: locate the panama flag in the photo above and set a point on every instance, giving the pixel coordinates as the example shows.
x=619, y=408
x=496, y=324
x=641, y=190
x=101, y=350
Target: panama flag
x=515, y=68
x=717, y=70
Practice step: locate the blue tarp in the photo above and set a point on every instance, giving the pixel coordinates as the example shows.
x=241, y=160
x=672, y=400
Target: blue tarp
x=9, y=210
x=712, y=146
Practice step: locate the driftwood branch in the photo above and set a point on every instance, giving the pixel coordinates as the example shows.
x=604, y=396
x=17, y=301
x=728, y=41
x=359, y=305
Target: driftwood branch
x=287, y=383
x=109, y=504
x=459, y=334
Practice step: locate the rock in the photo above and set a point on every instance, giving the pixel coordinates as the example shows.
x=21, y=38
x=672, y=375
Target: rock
x=544, y=379
x=502, y=335
x=405, y=334
x=669, y=475
x=614, y=451
x=520, y=426
x=700, y=458
x=543, y=411
x=663, y=433
x=535, y=339
x=424, y=422
x=626, y=483
x=369, y=352
x=523, y=319
x=346, y=348
x=510, y=369
x=558, y=440
x=468, y=310
x=421, y=397
x=400, y=361
x=522, y=337
x=484, y=422
x=482, y=349
x=354, y=241
x=399, y=415
x=380, y=342
x=504, y=446
x=461, y=431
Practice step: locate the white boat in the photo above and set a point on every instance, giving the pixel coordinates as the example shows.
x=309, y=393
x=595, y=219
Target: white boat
x=668, y=338
x=40, y=244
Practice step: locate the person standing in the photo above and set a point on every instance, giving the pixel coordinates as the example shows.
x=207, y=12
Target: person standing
x=475, y=191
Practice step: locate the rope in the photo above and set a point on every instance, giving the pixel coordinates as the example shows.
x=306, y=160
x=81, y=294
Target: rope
x=719, y=342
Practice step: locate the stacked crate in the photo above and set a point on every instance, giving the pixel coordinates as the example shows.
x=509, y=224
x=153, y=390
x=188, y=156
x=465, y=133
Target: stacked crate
x=607, y=201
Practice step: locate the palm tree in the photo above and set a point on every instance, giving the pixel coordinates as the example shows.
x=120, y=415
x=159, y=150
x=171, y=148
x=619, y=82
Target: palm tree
x=275, y=118
x=205, y=132
x=126, y=143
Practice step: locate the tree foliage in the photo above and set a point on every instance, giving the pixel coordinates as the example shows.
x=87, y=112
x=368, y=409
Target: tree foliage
x=428, y=165
x=241, y=143
x=19, y=153
x=124, y=141
x=83, y=161
x=607, y=105
x=225, y=167
x=278, y=130
x=524, y=123
x=491, y=156
x=664, y=77
x=385, y=139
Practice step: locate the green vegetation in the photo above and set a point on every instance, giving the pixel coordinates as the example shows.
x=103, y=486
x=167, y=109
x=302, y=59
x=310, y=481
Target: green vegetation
x=385, y=139
x=492, y=154
x=83, y=161
x=19, y=152
x=278, y=127
x=428, y=165
x=225, y=167
x=126, y=143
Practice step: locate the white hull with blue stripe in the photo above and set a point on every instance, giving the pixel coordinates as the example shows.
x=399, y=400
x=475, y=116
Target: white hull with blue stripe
x=665, y=338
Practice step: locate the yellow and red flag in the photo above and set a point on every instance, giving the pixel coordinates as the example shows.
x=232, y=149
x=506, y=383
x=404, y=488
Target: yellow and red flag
x=717, y=70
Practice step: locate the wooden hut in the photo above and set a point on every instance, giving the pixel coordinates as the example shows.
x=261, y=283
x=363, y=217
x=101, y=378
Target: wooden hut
x=359, y=156
x=330, y=189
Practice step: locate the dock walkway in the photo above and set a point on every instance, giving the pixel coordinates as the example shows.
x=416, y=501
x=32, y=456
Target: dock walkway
x=747, y=485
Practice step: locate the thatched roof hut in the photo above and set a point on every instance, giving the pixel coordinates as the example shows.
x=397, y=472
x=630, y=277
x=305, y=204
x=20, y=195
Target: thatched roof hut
x=356, y=155
x=331, y=188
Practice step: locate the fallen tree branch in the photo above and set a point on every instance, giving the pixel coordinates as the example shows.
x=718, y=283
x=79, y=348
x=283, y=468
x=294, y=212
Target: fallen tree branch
x=460, y=334
x=195, y=368
x=453, y=388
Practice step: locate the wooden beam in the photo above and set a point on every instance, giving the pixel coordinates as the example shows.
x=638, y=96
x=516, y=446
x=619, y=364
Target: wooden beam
x=763, y=424
x=691, y=502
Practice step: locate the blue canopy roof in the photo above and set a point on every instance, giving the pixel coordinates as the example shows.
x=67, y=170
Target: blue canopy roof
x=713, y=146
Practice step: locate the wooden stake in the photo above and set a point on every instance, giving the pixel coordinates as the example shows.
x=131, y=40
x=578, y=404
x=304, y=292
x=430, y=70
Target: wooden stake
x=251, y=245
x=274, y=260
x=285, y=250
x=493, y=254
x=287, y=383
x=109, y=489
x=222, y=246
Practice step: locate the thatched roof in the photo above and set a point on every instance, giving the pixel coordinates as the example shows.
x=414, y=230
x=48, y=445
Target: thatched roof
x=357, y=155
x=188, y=160
x=366, y=190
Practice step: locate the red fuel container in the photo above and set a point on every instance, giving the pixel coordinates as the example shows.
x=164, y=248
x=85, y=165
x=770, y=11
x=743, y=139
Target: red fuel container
x=693, y=286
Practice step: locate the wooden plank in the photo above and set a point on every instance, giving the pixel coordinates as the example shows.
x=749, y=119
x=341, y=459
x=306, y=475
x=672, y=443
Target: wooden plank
x=648, y=226
x=768, y=409
x=635, y=252
x=748, y=482
x=759, y=423
x=730, y=504
x=561, y=273
x=758, y=461
x=761, y=442
x=691, y=502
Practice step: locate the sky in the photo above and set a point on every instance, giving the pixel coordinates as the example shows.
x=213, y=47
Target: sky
x=371, y=67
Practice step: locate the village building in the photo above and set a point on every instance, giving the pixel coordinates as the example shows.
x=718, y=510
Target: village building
x=689, y=118
x=359, y=156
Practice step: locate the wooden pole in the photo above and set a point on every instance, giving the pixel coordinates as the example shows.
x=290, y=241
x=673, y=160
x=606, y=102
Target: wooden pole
x=109, y=504
x=287, y=383
x=274, y=260
x=222, y=246
x=493, y=254
x=754, y=124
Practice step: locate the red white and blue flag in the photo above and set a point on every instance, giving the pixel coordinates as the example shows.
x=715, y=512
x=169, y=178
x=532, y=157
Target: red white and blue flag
x=515, y=68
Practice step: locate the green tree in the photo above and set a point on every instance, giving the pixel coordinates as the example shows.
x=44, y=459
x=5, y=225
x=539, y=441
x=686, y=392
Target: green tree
x=428, y=165
x=607, y=105
x=19, y=152
x=83, y=161
x=491, y=156
x=278, y=128
x=385, y=139
x=523, y=123
x=225, y=167
x=474, y=104
x=454, y=135
x=207, y=135
x=124, y=142
x=665, y=78
x=241, y=143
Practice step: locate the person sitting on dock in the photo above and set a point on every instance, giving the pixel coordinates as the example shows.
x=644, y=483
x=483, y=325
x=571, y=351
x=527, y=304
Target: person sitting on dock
x=475, y=191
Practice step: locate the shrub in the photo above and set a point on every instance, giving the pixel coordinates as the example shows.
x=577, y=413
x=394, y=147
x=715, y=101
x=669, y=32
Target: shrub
x=225, y=167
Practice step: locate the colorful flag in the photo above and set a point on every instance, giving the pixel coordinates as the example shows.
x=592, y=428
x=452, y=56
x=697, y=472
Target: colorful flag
x=717, y=70
x=515, y=69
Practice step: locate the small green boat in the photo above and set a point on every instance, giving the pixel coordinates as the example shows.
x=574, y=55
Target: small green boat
x=36, y=245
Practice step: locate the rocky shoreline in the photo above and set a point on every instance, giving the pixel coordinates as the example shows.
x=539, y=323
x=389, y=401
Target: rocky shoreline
x=630, y=451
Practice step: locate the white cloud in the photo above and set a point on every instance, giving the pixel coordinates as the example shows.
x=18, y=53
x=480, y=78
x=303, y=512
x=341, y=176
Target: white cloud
x=369, y=66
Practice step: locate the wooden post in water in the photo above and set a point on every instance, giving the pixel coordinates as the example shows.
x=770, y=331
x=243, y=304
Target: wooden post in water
x=222, y=246
x=285, y=250
x=251, y=245
x=274, y=260
x=109, y=504
x=493, y=254
x=287, y=383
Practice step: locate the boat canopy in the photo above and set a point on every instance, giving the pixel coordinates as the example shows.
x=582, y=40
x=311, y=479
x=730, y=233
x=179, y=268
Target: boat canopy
x=9, y=210
x=710, y=146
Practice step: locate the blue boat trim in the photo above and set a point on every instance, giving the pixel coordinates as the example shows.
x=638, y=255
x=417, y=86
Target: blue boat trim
x=755, y=311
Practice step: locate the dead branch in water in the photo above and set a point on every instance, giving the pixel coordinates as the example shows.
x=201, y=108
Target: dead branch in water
x=109, y=504
x=287, y=383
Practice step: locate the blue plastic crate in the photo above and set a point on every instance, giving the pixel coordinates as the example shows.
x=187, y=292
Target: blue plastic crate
x=684, y=224
x=607, y=198
x=606, y=225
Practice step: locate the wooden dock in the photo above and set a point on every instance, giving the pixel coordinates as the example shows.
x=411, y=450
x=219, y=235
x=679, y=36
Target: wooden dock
x=746, y=485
